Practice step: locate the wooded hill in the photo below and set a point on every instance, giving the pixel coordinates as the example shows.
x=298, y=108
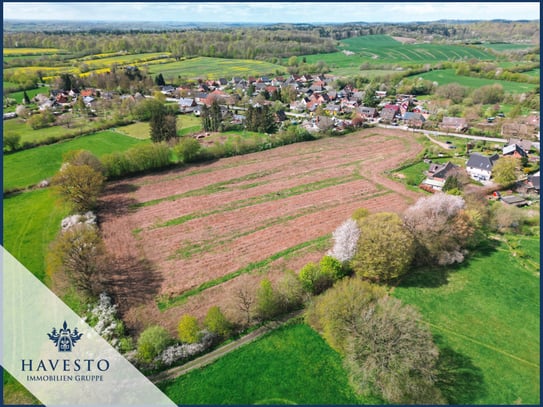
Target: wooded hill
x=249, y=41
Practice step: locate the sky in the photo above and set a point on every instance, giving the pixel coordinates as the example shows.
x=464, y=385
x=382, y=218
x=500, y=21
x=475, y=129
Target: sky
x=270, y=12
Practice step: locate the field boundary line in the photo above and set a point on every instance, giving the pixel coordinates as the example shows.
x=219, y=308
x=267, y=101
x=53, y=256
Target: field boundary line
x=484, y=345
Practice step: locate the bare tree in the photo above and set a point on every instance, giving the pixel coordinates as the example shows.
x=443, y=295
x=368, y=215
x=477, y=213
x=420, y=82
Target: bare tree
x=246, y=299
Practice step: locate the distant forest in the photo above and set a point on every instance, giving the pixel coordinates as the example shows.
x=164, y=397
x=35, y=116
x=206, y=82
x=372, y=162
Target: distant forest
x=247, y=41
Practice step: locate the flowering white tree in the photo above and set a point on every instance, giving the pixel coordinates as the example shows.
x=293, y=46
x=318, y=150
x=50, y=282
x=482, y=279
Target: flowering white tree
x=105, y=313
x=345, y=240
x=441, y=227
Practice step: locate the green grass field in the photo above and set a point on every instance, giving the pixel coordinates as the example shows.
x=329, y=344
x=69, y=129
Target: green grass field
x=29, y=167
x=485, y=313
x=215, y=68
x=31, y=222
x=18, y=96
x=533, y=72
x=446, y=76
x=79, y=126
x=383, y=49
x=501, y=47
x=292, y=365
x=185, y=123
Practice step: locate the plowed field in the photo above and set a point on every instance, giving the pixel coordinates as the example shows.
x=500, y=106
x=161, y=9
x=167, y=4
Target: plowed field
x=230, y=220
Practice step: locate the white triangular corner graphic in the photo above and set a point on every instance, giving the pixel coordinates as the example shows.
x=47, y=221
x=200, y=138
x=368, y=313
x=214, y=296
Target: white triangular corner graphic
x=69, y=368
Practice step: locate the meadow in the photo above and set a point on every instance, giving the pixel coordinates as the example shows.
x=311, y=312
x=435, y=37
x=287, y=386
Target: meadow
x=28, y=167
x=185, y=124
x=446, y=76
x=215, y=68
x=78, y=127
x=504, y=47
x=383, y=49
x=18, y=96
x=292, y=365
x=484, y=314
x=31, y=222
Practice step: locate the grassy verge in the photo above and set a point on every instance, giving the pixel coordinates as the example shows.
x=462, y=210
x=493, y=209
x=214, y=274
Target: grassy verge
x=292, y=365
x=165, y=303
x=485, y=312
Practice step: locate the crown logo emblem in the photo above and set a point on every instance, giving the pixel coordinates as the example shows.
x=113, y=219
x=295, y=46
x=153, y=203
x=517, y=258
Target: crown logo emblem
x=64, y=339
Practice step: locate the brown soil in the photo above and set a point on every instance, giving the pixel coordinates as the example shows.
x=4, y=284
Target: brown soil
x=238, y=211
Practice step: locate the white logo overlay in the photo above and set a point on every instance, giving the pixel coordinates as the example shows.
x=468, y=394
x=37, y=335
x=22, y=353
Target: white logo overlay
x=60, y=359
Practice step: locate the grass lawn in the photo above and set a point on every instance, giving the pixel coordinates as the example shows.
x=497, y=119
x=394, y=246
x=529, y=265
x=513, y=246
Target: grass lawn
x=485, y=313
x=18, y=96
x=446, y=76
x=185, y=124
x=29, y=167
x=214, y=68
x=79, y=126
x=292, y=365
x=31, y=222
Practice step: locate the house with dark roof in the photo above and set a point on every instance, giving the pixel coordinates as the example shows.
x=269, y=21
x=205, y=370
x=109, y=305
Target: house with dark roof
x=388, y=114
x=438, y=173
x=526, y=145
x=479, y=167
x=514, y=150
x=413, y=119
x=187, y=105
x=366, y=111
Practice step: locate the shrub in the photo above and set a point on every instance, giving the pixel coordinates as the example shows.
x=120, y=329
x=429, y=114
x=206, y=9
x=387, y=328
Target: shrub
x=152, y=341
x=188, y=149
x=332, y=267
x=313, y=279
x=188, y=329
x=268, y=303
x=217, y=323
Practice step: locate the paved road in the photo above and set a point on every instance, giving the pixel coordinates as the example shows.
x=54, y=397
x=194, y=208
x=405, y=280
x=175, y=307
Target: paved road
x=211, y=357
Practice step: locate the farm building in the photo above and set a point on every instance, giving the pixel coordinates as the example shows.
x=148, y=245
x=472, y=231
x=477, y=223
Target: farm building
x=479, y=167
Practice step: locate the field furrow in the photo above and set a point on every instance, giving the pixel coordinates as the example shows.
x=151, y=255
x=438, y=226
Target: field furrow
x=197, y=228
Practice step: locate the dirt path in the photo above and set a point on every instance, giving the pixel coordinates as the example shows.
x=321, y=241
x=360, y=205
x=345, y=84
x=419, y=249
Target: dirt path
x=211, y=357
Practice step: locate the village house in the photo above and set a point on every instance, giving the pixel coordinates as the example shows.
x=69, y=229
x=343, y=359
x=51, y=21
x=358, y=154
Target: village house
x=526, y=145
x=514, y=150
x=479, y=167
x=437, y=175
x=458, y=124
x=414, y=119
x=368, y=112
x=187, y=105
